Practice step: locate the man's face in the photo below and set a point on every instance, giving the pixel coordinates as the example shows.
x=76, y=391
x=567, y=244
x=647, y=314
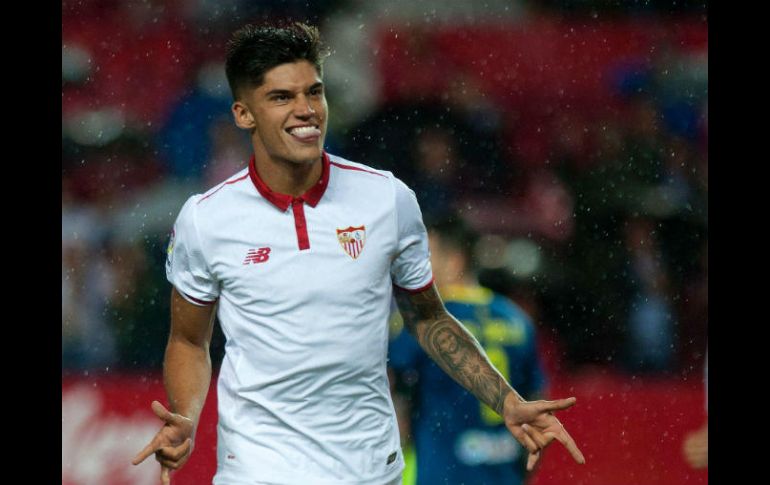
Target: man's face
x=287, y=113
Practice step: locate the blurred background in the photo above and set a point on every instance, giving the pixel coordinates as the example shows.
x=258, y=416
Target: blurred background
x=572, y=135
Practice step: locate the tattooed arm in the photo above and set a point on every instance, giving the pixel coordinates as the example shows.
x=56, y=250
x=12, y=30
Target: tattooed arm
x=452, y=347
x=459, y=354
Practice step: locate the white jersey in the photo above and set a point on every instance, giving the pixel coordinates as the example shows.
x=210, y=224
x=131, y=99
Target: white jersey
x=304, y=287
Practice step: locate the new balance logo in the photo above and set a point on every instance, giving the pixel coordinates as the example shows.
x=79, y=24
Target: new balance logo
x=255, y=256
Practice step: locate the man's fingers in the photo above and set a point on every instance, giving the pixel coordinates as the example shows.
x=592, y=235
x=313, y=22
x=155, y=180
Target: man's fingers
x=165, y=475
x=558, y=405
x=565, y=439
x=532, y=460
x=161, y=412
x=167, y=415
x=562, y=435
x=525, y=441
x=147, y=451
x=174, y=453
x=174, y=457
x=171, y=465
x=539, y=438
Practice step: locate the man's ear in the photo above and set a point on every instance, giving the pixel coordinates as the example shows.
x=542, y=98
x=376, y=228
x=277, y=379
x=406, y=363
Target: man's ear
x=242, y=115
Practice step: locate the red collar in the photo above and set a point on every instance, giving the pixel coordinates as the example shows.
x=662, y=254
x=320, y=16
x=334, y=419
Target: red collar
x=284, y=201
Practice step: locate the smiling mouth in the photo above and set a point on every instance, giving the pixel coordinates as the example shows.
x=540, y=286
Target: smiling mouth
x=305, y=133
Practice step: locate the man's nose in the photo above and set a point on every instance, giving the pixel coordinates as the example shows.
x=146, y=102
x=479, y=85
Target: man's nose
x=303, y=107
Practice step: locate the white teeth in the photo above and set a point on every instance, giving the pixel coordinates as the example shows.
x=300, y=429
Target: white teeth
x=303, y=131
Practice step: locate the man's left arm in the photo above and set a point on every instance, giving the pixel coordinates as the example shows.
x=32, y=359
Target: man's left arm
x=459, y=354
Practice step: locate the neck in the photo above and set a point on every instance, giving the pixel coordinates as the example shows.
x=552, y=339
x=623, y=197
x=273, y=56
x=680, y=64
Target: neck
x=287, y=177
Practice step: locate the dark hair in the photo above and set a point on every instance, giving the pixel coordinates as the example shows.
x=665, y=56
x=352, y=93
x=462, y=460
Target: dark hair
x=456, y=234
x=255, y=49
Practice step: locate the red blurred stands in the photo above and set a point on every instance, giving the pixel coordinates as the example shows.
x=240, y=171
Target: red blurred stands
x=630, y=431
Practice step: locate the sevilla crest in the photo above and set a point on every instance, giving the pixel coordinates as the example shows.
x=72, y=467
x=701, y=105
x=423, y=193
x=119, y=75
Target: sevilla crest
x=352, y=240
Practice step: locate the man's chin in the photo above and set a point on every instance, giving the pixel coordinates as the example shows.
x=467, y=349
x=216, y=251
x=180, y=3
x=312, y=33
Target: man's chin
x=306, y=156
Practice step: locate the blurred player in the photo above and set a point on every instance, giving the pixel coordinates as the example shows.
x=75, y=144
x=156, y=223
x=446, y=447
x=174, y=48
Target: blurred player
x=457, y=439
x=301, y=254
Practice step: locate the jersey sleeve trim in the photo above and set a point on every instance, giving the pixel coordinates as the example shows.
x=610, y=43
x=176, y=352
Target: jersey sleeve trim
x=196, y=301
x=416, y=290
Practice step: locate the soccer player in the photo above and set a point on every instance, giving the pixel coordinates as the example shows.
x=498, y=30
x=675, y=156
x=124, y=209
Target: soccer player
x=457, y=439
x=300, y=255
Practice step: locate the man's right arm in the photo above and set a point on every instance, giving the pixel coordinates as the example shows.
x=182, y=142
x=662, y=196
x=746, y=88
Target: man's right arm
x=186, y=375
x=187, y=363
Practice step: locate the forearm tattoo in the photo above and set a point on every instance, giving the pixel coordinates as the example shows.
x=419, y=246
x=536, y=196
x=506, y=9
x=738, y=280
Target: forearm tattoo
x=451, y=346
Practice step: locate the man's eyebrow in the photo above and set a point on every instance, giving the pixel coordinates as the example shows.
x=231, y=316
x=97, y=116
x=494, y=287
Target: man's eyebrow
x=278, y=91
x=273, y=92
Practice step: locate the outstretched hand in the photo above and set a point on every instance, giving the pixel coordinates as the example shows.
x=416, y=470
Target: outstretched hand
x=172, y=445
x=534, y=426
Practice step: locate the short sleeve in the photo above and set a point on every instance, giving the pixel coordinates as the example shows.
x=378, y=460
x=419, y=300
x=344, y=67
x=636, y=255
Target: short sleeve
x=186, y=266
x=410, y=268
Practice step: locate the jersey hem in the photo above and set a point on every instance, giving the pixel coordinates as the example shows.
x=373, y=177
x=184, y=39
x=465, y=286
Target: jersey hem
x=416, y=290
x=225, y=479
